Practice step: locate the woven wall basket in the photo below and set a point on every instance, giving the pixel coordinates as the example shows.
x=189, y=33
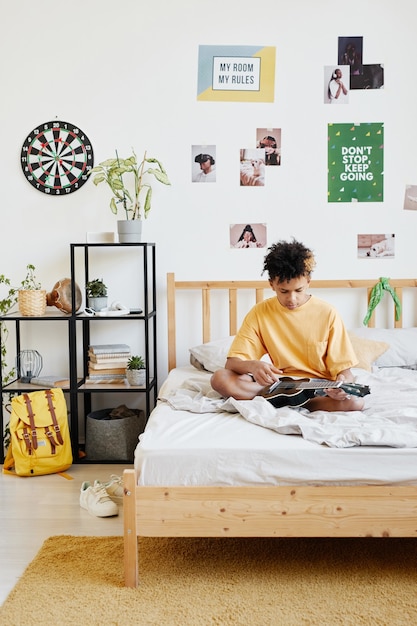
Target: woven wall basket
x=32, y=302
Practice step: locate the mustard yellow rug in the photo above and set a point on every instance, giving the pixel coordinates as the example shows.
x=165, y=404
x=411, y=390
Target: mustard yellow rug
x=78, y=581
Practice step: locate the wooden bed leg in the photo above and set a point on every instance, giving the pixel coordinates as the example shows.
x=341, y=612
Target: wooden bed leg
x=130, y=546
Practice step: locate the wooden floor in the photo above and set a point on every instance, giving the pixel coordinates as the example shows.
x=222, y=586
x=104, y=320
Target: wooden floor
x=33, y=509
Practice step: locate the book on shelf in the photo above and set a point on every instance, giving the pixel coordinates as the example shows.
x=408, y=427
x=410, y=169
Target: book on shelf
x=111, y=349
x=47, y=382
x=105, y=375
x=105, y=380
x=108, y=371
x=98, y=363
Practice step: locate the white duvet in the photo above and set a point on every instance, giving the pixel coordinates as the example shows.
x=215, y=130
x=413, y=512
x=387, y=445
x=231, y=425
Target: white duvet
x=388, y=419
x=194, y=437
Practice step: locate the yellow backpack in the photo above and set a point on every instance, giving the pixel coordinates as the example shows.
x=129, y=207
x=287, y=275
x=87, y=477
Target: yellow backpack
x=39, y=435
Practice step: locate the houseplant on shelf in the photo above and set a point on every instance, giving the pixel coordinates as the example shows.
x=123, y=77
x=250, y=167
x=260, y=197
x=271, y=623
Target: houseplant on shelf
x=136, y=371
x=31, y=298
x=6, y=304
x=96, y=294
x=130, y=184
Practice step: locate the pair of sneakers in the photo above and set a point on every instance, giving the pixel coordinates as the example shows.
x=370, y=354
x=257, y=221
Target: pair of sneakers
x=102, y=499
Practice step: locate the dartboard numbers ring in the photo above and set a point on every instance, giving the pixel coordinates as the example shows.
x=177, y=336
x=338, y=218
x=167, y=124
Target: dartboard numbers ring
x=56, y=158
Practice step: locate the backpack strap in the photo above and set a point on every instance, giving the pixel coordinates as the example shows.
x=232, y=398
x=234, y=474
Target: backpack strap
x=48, y=395
x=26, y=439
x=31, y=420
x=51, y=439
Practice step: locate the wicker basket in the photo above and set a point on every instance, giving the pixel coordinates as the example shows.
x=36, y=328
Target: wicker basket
x=32, y=302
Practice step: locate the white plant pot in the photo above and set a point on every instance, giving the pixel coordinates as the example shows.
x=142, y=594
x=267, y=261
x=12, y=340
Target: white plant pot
x=136, y=378
x=129, y=231
x=98, y=304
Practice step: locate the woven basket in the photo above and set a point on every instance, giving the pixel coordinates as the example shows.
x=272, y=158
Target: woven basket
x=32, y=302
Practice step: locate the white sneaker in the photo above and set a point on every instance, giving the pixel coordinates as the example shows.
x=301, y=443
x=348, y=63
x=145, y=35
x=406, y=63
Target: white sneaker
x=114, y=488
x=95, y=499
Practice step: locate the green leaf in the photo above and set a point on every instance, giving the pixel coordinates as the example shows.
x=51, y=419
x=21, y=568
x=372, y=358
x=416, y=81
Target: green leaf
x=98, y=179
x=113, y=206
x=131, y=161
x=161, y=176
x=147, y=203
x=161, y=167
x=108, y=163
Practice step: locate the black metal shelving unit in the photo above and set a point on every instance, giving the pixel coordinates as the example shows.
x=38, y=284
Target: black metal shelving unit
x=79, y=330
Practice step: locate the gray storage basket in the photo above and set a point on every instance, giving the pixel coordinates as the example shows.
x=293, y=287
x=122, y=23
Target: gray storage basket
x=109, y=439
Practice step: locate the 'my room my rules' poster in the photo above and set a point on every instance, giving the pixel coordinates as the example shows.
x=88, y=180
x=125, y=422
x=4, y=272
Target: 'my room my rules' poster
x=356, y=162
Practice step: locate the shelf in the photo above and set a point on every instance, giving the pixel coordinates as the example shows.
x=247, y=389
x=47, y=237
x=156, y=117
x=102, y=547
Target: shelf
x=52, y=314
x=89, y=387
x=18, y=386
x=79, y=326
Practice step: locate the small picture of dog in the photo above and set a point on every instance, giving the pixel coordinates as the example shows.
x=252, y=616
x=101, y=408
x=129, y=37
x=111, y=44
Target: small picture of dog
x=382, y=248
x=258, y=167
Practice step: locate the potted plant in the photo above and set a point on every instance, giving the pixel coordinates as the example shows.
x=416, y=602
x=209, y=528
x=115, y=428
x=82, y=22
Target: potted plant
x=6, y=304
x=96, y=294
x=130, y=184
x=136, y=371
x=31, y=297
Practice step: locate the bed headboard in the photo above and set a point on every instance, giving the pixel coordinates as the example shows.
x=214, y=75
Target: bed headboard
x=261, y=289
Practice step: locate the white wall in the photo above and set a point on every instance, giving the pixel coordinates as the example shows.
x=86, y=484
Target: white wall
x=126, y=73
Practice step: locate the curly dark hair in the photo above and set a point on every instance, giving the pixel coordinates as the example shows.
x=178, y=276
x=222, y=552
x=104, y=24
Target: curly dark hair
x=287, y=260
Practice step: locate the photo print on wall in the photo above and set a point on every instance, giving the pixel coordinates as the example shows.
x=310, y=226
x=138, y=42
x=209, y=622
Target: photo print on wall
x=203, y=164
x=350, y=52
x=355, y=162
x=336, y=84
x=410, y=198
x=247, y=236
x=269, y=139
x=376, y=246
x=252, y=167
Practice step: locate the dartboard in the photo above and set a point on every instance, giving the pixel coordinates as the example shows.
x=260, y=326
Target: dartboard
x=56, y=158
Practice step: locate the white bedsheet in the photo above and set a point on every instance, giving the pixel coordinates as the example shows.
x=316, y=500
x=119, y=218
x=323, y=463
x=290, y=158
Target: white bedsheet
x=215, y=446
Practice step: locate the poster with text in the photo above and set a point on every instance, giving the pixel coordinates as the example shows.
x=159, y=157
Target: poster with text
x=236, y=73
x=356, y=162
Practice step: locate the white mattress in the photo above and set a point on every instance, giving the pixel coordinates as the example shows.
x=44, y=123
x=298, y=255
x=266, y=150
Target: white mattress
x=221, y=448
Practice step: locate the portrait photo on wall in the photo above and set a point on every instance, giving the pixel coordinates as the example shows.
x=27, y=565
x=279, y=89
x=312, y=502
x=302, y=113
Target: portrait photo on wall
x=203, y=164
x=269, y=139
x=336, y=84
x=410, y=198
x=252, y=167
x=372, y=77
x=350, y=52
x=248, y=235
x=376, y=246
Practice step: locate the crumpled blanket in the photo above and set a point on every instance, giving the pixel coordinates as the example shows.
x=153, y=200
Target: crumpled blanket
x=385, y=420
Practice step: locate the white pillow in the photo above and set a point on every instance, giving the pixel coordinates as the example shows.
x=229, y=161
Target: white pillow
x=402, y=345
x=212, y=355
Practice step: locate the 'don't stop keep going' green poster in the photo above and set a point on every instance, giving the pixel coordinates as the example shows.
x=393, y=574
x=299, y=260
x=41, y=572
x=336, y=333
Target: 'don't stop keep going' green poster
x=356, y=162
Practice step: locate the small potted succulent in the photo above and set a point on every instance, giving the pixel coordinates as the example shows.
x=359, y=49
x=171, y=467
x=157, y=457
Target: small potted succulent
x=31, y=298
x=136, y=371
x=96, y=294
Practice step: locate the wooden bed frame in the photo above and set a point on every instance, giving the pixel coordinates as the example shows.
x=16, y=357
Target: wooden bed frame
x=270, y=511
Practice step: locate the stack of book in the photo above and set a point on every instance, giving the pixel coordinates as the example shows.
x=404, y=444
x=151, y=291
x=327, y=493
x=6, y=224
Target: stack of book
x=107, y=363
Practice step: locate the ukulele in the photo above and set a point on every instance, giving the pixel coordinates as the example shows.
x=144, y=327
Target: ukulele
x=295, y=392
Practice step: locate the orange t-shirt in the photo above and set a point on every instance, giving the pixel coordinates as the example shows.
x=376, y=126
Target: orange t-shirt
x=310, y=340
